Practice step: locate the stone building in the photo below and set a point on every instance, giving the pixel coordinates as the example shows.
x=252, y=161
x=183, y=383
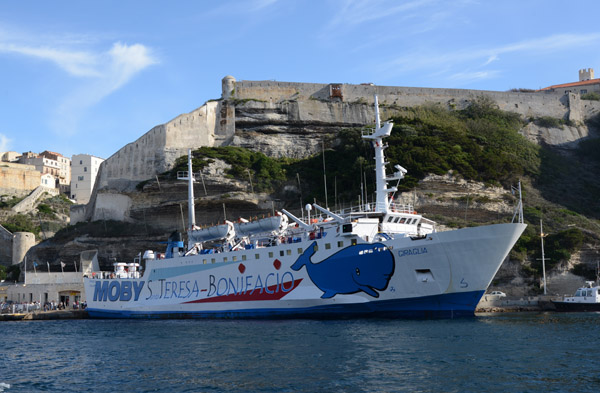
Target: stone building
x=10, y=156
x=52, y=163
x=64, y=169
x=18, y=179
x=84, y=170
x=586, y=84
x=42, y=285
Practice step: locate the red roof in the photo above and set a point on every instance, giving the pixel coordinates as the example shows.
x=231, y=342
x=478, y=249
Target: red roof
x=573, y=84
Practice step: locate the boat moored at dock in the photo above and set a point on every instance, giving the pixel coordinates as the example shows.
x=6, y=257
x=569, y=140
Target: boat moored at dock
x=586, y=298
x=380, y=259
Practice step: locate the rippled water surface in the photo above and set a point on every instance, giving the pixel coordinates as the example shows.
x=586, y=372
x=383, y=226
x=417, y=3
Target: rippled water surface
x=521, y=352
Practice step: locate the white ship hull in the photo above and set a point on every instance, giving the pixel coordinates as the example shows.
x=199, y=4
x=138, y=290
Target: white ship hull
x=441, y=275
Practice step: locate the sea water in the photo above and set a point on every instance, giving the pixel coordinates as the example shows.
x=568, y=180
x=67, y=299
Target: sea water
x=517, y=352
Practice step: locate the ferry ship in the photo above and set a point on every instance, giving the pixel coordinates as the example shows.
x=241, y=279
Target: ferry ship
x=380, y=259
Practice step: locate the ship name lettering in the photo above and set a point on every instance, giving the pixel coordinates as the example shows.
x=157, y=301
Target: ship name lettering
x=412, y=251
x=241, y=285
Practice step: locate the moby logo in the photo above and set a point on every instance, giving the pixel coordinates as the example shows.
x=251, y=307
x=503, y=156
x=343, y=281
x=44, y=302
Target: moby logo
x=117, y=290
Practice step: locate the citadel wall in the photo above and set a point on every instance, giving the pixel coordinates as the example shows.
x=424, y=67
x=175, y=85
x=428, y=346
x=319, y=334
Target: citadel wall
x=214, y=123
x=156, y=150
x=538, y=104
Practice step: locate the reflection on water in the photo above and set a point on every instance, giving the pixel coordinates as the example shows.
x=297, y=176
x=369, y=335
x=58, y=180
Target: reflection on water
x=534, y=352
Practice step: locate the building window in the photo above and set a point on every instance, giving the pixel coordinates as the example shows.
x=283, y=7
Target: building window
x=80, y=162
x=85, y=168
x=270, y=254
x=256, y=256
x=80, y=178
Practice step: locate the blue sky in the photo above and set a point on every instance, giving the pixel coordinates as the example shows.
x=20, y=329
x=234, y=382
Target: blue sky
x=90, y=77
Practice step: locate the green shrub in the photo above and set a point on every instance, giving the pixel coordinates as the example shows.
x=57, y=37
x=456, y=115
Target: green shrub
x=45, y=209
x=21, y=223
x=593, y=96
x=548, y=122
x=265, y=172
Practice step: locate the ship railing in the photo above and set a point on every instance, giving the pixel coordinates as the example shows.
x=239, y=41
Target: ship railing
x=374, y=207
x=101, y=275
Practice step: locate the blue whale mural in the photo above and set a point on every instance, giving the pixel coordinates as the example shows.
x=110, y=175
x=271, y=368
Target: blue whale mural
x=363, y=267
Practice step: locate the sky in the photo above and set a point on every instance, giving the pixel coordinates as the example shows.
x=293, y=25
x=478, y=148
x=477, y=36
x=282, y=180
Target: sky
x=88, y=77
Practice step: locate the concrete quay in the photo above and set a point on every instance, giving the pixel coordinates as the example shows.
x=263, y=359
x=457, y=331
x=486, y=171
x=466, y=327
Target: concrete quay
x=492, y=303
x=45, y=315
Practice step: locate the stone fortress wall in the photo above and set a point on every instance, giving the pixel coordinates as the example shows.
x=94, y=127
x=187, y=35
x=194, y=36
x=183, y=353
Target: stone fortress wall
x=553, y=104
x=155, y=151
x=277, y=107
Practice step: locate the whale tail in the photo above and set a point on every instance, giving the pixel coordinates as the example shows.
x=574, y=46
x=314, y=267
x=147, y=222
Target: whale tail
x=304, y=259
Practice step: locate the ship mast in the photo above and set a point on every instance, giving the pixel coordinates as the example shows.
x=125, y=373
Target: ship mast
x=189, y=176
x=191, y=209
x=382, y=190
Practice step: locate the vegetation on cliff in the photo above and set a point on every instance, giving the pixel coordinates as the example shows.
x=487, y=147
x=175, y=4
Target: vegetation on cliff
x=479, y=143
x=264, y=171
x=48, y=216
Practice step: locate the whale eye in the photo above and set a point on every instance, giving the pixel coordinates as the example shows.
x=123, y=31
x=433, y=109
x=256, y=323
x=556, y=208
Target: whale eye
x=357, y=271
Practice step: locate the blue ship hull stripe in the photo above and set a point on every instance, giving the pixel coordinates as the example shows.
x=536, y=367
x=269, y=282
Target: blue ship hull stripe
x=439, y=306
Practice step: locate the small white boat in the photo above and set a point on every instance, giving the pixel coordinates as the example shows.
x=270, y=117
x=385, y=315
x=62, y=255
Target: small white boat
x=586, y=298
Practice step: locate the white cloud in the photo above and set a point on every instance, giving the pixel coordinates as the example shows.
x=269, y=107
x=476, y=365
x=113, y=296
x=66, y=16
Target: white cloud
x=4, y=143
x=114, y=69
x=352, y=12
x=449, y=61
x=466, y=77
x=99, y=73
x=74, y=62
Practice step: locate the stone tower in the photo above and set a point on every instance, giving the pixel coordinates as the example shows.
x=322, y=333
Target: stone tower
x=586, y=74
x=228, y=87
x=22, y=242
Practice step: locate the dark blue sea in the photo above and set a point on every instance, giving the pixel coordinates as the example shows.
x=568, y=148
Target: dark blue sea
x=516, y=352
